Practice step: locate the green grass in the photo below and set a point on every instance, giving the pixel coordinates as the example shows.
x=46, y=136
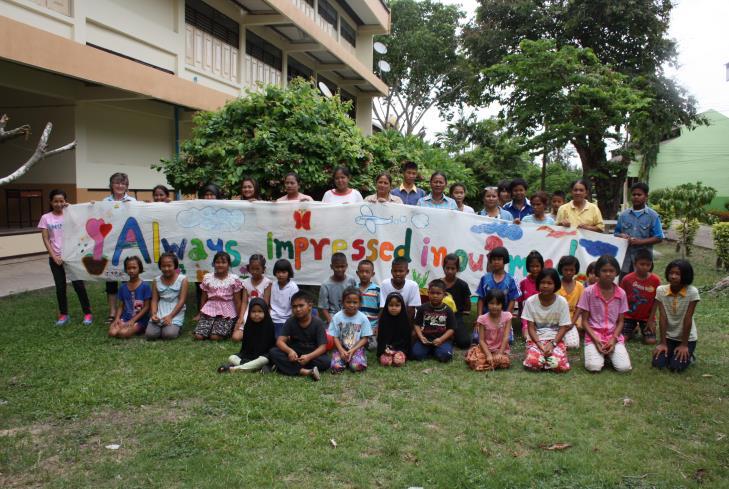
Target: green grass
x=67, y=393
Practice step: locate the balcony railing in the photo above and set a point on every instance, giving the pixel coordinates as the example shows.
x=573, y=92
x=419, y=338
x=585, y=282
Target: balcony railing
x=210, y=55
x=255, y=71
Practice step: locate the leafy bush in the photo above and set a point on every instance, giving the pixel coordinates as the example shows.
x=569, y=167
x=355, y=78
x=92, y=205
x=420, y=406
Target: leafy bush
x=721, y=216
x=720, y=232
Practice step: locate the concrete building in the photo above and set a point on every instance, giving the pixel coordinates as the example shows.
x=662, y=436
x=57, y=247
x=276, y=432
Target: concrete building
x=123, y=78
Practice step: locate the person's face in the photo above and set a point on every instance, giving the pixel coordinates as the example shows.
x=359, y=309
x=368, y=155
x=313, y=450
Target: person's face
x=300, y=309
x=383, y=186
x=221, y=266
x=490, y=199
x=435, y=295
x=557, y=202
x=638, y=197
x=504, y=196
x=58, y=203
x=674, y=277
x=399, y=272
x=341, y=181
x=591, y=277
x=539, y=207
x=579, y=192
x=607, y=274
x=255, y=269
x=282, y=276
x=394, y=307
x=496, y=263
x=351, y=305
x=247, y=189
x=643, y=267
x=119, y=186
x=459, y=194
x=495, y=307
x=547, y=286
x=450, y=269
x=568, y=272
x=339, y=268
x=159, y=196
x=256, y=314
x=167, y=267
x=411, y=174
x=290, y=184
x=365, y=273
x=534, y=268
x=209, y=195
x=518, y=193
x=132, y=269
x=437, y=184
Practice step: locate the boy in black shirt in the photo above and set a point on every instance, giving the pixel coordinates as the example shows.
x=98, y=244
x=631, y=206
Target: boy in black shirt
x=434, y=326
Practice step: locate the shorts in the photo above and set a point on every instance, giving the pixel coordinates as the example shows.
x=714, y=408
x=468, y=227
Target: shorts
x=209, y=326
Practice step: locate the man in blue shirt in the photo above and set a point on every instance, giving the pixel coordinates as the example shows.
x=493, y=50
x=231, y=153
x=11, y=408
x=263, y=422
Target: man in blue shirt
x=640, y=225
x=519, y=207
x=408, y=192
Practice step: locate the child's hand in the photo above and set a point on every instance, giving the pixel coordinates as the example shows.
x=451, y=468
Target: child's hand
x=304, y=359
x=547, y=348
x=436, y=342
x=167, y=320
x=57, y=260
x=661, y=349
x=650, y=326
x=154, y=318
x=681, y=353
x=609, y=346
x=293, y=356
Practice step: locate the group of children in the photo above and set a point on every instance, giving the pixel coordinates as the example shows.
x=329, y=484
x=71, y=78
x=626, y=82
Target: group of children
x=273, y=319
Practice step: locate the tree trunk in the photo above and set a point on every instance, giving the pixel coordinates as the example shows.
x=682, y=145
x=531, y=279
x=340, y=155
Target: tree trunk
x=543, y=179
x=607, y=177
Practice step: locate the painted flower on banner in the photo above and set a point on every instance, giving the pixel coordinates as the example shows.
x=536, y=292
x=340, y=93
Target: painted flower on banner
x=211, y=219
x=511, y=232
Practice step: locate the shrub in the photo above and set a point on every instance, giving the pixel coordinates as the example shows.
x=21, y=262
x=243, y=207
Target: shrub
x=721, y=244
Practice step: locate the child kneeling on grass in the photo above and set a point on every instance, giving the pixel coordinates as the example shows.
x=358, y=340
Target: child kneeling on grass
x=257, y=341
x=548, y=320
x=492, y=351
x=435, y=326
x=351, y=331
x=301, y=348
x=220, y=301
x=169, y=292
x=677, y=303
x=394, y=333
x=132, y=312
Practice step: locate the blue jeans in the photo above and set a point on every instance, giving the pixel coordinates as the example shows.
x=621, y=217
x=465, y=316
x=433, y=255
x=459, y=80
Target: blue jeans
x=444, y=352
x=669, y=360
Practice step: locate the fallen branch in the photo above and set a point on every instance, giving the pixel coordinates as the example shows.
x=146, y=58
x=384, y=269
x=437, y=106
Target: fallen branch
x=720, y=285
x=13, y=133
x=39, y=154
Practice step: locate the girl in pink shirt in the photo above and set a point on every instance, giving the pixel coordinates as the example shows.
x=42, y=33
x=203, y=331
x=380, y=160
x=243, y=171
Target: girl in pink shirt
x=492, y=351
x=220, y=301
x=602, y=306
x=528, y=286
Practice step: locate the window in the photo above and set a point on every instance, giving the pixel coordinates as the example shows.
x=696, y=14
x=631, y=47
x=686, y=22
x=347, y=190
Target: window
x=263, y=51
x=328, y=12
x=23, y=208
x=348, y=33
x=296, y=69
x=204, y=17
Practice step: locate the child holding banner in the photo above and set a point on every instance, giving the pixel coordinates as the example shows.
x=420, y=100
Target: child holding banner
x=220, y=301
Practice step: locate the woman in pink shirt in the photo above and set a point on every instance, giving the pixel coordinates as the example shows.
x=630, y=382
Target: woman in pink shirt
x=602, y=306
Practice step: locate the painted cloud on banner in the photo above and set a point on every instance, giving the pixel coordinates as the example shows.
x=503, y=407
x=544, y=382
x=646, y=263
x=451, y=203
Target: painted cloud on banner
x=211, y=219
x=511, y=232
x=599, y=248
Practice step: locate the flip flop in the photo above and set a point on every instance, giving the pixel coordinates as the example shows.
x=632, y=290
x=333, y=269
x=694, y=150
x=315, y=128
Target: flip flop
x=315, y=375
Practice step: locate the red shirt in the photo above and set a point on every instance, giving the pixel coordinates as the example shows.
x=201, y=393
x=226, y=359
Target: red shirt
x=641, y=294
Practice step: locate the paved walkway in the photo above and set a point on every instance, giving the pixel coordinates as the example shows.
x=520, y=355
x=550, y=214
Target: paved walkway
x=703, y=239
x=24, y=274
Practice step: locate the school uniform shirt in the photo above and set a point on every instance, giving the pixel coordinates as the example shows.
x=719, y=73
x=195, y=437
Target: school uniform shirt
x=641, y=295
x=330, y=293
x=349, y=329
x=133, y=301
x=54, y=224
x=305, y=340
x=446, y=203
x=507, y=285
x=589, y=215
x=573, y=297
x=517, y=213
x=435, y=321
x=503, y=215
x=408, y=197
x=334, y=197
x=370, y=305
x=547, y=319
x=676, y=306
x=642, y=223
x=281, y=301
x=410, y=292
x=603, y=314
x=494, y=331
x=461, y=293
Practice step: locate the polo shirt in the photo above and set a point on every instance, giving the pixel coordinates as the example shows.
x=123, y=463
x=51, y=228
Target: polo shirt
x=676, y=306
x=447, y=203
x=519, y=213
x=589, y=215
x=408, y=197
x=503, y=214
x=603, y=314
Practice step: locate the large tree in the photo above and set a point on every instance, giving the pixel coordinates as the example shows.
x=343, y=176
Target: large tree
x=423, y=53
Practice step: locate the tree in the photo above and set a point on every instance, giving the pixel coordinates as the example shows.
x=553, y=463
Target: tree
x=422, y=50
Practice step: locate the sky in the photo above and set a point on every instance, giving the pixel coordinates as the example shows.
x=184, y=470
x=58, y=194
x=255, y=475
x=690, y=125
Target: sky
x=700, y=29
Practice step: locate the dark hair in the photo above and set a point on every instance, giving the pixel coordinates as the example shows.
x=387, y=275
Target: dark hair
x=342, y=169
x=591, y=268
x=168, y=254
x=566, y=261
x=605, y=260
x=136, y=259
x=516, y=182
x=292, y=174
x=409, y=165
x=541, y=195
x=209, y=188
x=455, y=186
x=437, y=284
x=257, y=257
x=495, y=295
x=643, y=254
x=452, y=257
x=550, y=273
x=400, y=260
x=438, y=174
x=640, y=186
x=584, y=182
x=222, y=254
x=162, y=188
x=560, y=194
x=366, y=262
x=351, y=291
x=118, y=176
x=499, y=252
x=256, y=187
x=384, y=174
x=301, y=294
x=687, y=271
x=283, y=265
x=504, y=185
x=53, y=193
x=338, y=257
x=534, y=255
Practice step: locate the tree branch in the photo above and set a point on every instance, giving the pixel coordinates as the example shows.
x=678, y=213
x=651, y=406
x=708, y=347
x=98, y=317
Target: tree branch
x=39, y=154
x=13, y=133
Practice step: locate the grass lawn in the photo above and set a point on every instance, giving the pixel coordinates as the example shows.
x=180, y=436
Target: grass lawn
x=65, y=394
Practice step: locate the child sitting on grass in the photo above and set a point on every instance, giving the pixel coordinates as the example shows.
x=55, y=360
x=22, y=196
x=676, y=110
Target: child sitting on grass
x=640, y=286
x=394, y=334
x=496, y=278
x=169, y=292
x=351, y=331
x=257, y=341
x=219, y=301
x=677, y=303
x=461, y=294
x=492, y=351
x=132, y=312
x=434, y=326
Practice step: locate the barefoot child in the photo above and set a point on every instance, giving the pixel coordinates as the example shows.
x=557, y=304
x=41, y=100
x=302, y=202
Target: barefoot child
x=548, y=317
x=132, y=312
x=640, y=286
x=256, y=285
x=395, y=330
x=434, y=326
x=282, y=291
x=370, y=292
x=302, y=347
x=602, y=306
x=257, y=341
x=220, y=301
x=492, y=351
x=351, y=331
x=568, y=267
x=51, y=225
x=169, y=292
x=461, y=294
x=677, y=303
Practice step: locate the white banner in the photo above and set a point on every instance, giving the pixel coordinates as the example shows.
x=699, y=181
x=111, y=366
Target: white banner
x=97, y=238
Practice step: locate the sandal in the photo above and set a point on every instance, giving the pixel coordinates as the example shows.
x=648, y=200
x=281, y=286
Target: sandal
x=315, y=375
x=223, y=369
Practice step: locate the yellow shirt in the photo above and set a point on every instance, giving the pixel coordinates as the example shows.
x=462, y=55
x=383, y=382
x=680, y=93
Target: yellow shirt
x=574, y=297
x=589, y=215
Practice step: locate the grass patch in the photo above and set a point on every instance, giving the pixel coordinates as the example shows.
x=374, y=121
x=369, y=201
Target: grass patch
x=67, y=393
